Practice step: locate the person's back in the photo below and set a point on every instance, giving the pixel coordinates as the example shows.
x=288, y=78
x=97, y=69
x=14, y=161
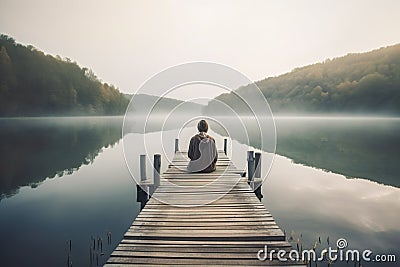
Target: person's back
x=202, y=151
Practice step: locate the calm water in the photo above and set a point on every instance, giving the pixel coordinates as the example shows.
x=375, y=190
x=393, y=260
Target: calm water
x=66, y=179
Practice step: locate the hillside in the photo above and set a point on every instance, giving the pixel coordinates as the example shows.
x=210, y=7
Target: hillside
x=356, y=83
x=35, y=84
x=145, y=104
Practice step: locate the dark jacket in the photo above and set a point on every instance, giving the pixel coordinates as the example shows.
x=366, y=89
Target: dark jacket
x=202, y=153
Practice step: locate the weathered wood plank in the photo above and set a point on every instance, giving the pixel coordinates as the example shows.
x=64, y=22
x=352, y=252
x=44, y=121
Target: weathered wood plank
x=225, y=243
x=197, y=249
x=229, y=230
x=193, y=261
x=230, y=224
x=185, y=254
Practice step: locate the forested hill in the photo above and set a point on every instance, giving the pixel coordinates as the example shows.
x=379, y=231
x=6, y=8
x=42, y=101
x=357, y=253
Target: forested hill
x=146, y=104
x=34, y=84
x=356, y=83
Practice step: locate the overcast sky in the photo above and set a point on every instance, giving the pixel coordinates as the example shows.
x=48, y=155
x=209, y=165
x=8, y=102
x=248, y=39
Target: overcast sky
x=126, y=42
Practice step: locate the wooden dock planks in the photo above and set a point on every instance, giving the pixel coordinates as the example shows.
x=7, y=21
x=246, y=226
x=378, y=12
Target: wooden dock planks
x=229, y=230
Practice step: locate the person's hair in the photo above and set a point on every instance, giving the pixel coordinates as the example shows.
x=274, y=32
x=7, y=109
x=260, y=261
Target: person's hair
x=202, y=126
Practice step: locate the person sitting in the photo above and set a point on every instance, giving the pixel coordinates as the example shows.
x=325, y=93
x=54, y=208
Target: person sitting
x=202, y=150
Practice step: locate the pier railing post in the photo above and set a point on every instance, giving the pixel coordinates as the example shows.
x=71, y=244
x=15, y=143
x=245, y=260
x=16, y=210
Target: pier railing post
x=156, y=170
x=143, y=168
x=257, y=173
x=250, y=165
x=257, y=181
x=225, y=145
x=176, y=145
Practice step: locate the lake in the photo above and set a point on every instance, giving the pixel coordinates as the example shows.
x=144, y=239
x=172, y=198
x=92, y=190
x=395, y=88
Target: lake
x=65, y=179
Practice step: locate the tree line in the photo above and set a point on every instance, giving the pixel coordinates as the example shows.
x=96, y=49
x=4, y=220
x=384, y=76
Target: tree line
x=355, y=83
x=35, y=84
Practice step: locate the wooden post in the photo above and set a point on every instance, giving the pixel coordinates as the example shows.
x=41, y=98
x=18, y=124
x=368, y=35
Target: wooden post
x=156, y=170
x=176, y=145
x=257, y=173
x=151, y=190
x=250, y=165
x=225, y=145
x=142, y=195
x=143, y=168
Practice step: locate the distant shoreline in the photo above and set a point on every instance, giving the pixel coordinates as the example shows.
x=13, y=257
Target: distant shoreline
x=63, y=116
x=278, y=116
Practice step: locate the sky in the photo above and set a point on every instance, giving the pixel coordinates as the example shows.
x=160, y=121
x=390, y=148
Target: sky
x=125, y=42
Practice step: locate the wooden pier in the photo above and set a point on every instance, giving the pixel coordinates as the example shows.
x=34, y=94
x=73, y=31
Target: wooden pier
x=230, y=230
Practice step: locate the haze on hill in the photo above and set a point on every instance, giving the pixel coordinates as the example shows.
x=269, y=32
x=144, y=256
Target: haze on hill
x=364, y=83
x=35, y=84
x=144, y=104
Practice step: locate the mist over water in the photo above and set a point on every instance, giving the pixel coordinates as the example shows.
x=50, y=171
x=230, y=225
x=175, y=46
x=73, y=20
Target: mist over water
x=361, y=147
x=92, y=191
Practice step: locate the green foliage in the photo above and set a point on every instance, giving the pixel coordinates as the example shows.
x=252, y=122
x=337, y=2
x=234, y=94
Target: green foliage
x=34, y=84
x=366, y=82
x=35, y=149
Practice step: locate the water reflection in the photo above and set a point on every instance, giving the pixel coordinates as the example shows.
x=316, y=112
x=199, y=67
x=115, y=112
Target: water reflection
x=32, y=150
x=311, y=203
x=314, y=204
x=361, y=147
x=355, y=147
x=101, y=197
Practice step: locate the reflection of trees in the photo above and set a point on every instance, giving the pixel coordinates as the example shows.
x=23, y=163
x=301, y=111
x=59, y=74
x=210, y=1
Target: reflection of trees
x=355, y=148
x=365, y=149
x=35, y=149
